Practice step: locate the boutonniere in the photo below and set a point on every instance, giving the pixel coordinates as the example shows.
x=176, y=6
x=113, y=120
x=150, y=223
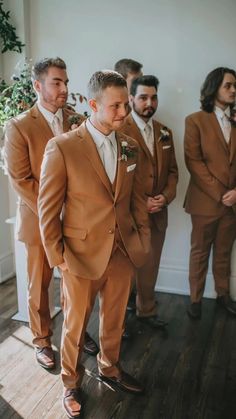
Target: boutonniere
x=74, y=121
x=127, y=151
x=165, y=134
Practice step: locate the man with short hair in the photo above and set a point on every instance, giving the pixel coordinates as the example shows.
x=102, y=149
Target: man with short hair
x=93, y=174
x=129, y=69
x=25, y=139
x=210, y=156
x=160, y=176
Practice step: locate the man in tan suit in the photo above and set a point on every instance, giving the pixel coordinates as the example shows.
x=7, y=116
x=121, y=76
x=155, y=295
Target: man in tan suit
x=25, y=139
x=160, y=176
x=210, y=155
x=129, y=69
x=93, y=174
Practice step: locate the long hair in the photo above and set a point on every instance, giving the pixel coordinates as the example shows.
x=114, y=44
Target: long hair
x=211, y=86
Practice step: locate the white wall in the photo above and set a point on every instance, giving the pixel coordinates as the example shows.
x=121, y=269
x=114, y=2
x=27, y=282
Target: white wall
x=179, y=41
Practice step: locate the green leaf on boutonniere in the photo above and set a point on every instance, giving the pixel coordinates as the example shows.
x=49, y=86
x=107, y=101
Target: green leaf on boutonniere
x=127, y=151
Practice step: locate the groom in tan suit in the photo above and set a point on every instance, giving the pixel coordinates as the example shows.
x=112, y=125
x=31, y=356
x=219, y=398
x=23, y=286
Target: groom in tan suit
x=93, y=174
x=25, y=139
x=210, y=155
x=160, y=176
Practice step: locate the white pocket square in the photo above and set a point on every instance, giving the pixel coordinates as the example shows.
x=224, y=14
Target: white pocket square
x=166, y=146
x=131, y=167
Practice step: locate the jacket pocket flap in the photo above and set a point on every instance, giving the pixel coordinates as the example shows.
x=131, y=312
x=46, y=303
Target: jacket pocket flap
x=79, y=233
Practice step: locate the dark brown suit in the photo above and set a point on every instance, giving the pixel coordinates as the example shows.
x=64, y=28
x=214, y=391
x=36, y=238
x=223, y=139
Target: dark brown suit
x=26, y=137
x=212, y=166
x=160, y=176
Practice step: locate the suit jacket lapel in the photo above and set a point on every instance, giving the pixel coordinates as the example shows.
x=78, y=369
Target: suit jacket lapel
x=42, y=123
x=90, y=149
x=121, y=165
x=66, y=124
x=158, y=145
x=233, y=143
x=218, y=131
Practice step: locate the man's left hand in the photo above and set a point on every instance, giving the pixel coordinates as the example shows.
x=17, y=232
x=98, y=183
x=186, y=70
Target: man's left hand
x=229, y=198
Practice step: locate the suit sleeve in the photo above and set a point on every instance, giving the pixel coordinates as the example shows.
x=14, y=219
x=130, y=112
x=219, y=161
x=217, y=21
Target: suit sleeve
x=194, y=160
x=139, y=207
x=169, y=190
x=52, y=189
x=18, y=165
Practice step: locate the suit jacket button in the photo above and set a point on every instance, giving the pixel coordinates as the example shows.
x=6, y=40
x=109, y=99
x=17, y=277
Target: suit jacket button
x=111, y=231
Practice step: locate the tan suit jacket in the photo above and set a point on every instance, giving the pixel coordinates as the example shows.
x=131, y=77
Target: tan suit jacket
x=25, y=139
x=211, y=163
x=165, y=175
x=73, y=177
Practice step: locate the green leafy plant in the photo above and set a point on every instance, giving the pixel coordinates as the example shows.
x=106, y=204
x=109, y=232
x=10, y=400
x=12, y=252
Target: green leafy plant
x=17, y=97
x=9, y=40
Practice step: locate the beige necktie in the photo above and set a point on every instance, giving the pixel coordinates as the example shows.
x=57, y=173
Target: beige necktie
x=149, y=138
x=109, y=158
x=226, y=127
x=56, y=126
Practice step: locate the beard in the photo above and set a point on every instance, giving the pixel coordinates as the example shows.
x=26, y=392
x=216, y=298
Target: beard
x=147, y=112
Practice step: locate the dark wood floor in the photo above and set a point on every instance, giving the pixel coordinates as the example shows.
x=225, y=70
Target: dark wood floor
x=189, y=373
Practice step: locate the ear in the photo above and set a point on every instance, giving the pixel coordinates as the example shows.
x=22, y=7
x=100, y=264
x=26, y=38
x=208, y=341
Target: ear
x=131, y=99
x=37, y=85
x=93, y=104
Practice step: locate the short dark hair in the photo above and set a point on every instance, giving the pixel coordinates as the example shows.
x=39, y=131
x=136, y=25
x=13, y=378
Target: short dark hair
x=41, y=67
x=151, y=81
x=103, y=79
x=126, y=65
x=211, y=86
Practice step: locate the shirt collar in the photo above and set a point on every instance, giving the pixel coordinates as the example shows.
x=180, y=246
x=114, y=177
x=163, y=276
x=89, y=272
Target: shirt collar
x=98, y=136
x=140, y=122
x=220, y=113
x=48, y=115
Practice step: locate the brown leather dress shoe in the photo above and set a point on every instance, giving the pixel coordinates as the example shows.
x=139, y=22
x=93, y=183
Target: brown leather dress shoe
x=125, y=383
x=45, y=357
x=226, y=302
x=153, y=321
x=194, y=310
x=72, y=403
x=90, y=346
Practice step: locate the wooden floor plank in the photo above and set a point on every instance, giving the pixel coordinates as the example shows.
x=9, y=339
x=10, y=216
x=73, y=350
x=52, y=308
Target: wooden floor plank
x=188, y=372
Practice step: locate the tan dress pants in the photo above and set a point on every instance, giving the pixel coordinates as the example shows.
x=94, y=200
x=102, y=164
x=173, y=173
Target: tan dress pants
x=79, y=296
x=39, y=277
x=218, y=234
x=146, y=276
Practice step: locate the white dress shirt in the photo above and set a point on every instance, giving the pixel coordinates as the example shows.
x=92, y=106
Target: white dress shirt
x=49, y=116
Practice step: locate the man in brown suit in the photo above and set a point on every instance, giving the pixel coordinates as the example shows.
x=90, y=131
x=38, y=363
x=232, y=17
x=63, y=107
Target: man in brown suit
x=210, y=155
x=160, y=176
x=25, y=139
x=93, y=174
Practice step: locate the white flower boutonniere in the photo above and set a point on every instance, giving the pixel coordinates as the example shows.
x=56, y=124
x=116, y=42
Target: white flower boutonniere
x=165, y=134
x=127, y=151
x=75, y=120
